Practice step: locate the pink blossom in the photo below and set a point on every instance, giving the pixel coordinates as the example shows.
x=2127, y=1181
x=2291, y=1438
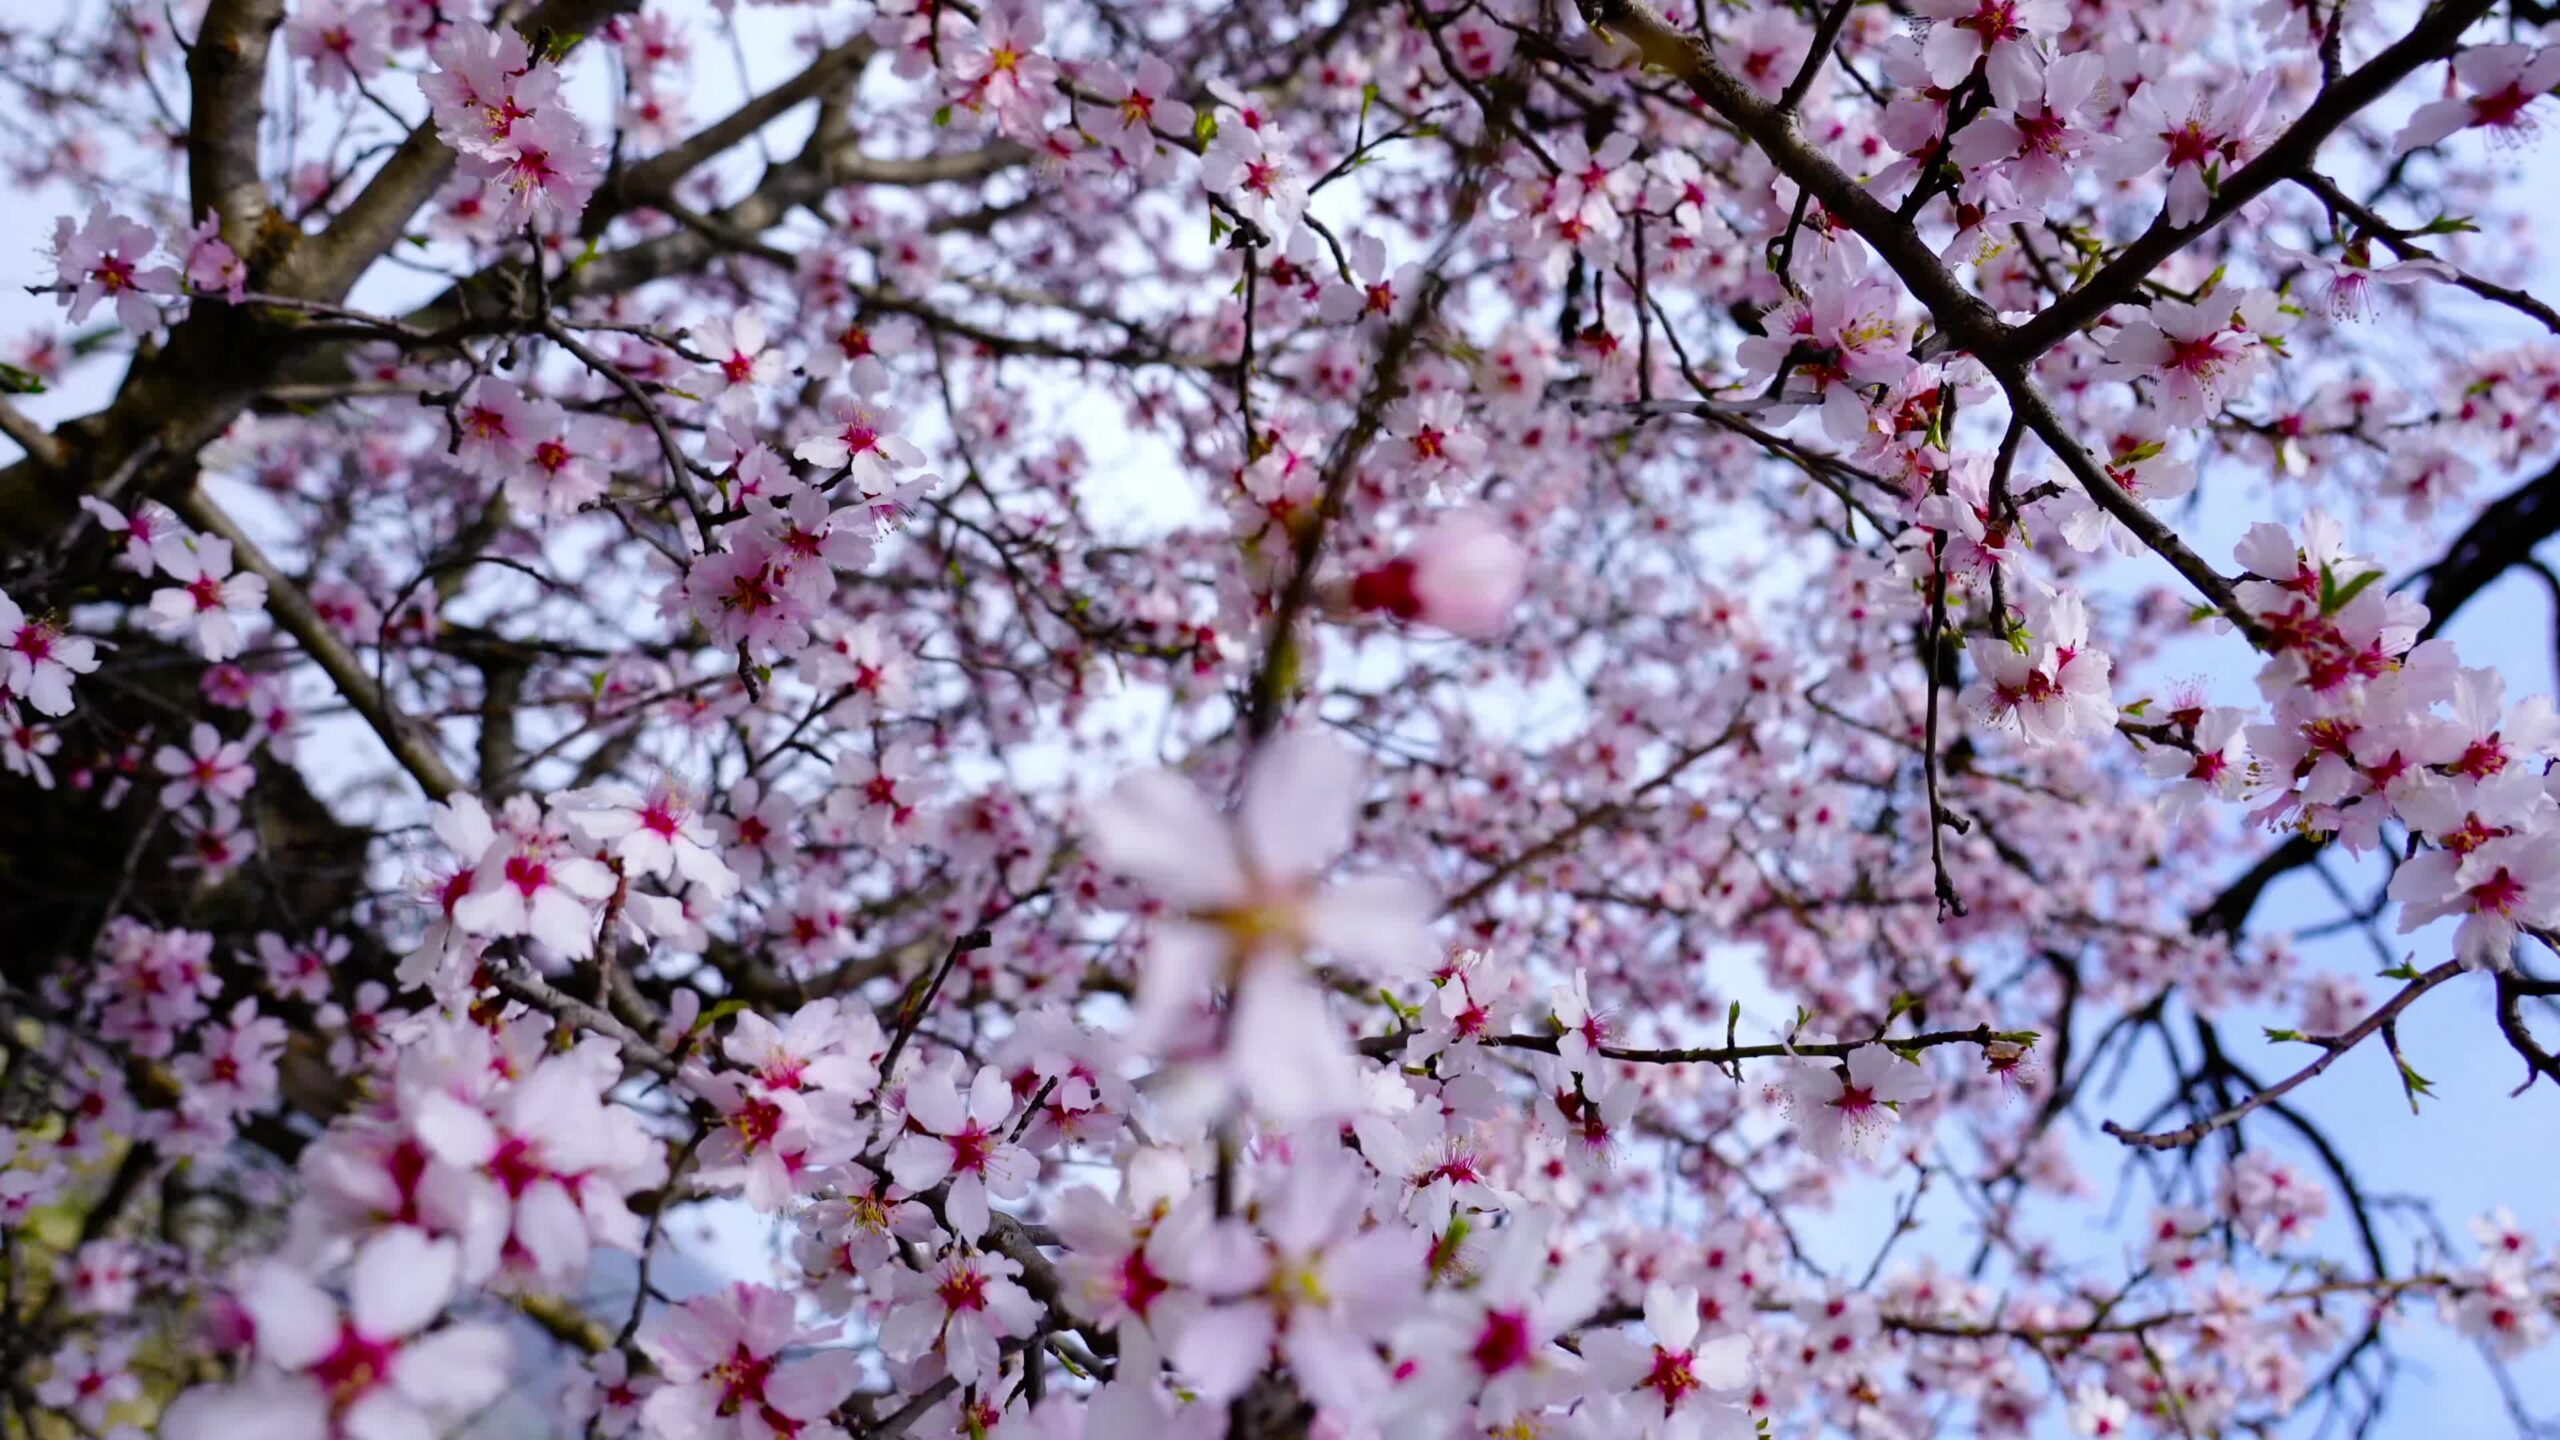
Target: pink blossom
x=372, y=1368
x=2202, y=356
x=657, y=833
x=39, y=660
x=1462, y=575
x=1307, y=1284
x=1255, y=168
x=2497, y=888
x=962, y=1139
x=860, y=444
x=1245, y=904
x=209, y=767
x=205, y=605
x=211, y=267
x=2000, y=36
x=1681, y=1386
x=2504, y=81
x=2038, y=141
x=2194, y=132
x=534, y=882
x=1137, y=106
x=740, y=363
x=106, y=258
x=345, y=42
x=1847, y=1108
x=958, y=1311
x=722, y=1356
x=1492, y=1345
x=88, y=1381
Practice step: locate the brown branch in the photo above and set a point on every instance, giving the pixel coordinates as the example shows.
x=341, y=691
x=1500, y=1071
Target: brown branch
x=2069, y=1335
x=1816, y=56
x=542, y=995
x=2503, y=534
x=2538, y=1062
x=1383, y=1046
x=2291, y=153
x=227, y=83
x=2331, y=1048
x=327, y=265
x=912, y=1013
x=657, y=176
x=1963, y=317
x=1584, y=820
x=293, y=612
x=2030, y=405
x=2339, y=202
x=33, y=438
x=1933, y=648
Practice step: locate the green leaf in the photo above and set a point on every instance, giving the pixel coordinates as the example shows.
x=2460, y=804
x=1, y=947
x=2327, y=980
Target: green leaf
x=2333, y=601
x=1405, y=1014
x=1204, y=127
x=1449, y=1244
x=2414, y=1085
x=2274, y=1034
x=942, y=118
x=16, y=381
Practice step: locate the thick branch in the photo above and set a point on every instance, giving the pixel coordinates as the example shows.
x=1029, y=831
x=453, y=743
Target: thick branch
x=657, y=175
x=33, y=438
x=327, y=265
x=227, y=82
x=2505, y=532
x=293, y=612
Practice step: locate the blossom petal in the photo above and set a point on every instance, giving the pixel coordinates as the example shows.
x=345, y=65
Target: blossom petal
x=1299, y=805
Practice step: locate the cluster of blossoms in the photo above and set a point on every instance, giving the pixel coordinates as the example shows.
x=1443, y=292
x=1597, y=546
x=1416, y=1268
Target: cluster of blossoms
x=204, y=779
x=560, y=872
x=110, y=257
x=2367, y=729
x=1390, y=825
x=501, y=107
x=37, y=668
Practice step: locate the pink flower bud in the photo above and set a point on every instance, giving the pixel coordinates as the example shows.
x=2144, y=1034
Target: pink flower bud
x=1461, y=575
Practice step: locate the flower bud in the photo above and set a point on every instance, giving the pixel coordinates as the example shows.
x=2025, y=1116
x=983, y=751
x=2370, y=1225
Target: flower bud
x=1462, y=575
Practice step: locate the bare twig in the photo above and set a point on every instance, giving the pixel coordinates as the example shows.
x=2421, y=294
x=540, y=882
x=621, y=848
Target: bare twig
x=2331, y=1048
